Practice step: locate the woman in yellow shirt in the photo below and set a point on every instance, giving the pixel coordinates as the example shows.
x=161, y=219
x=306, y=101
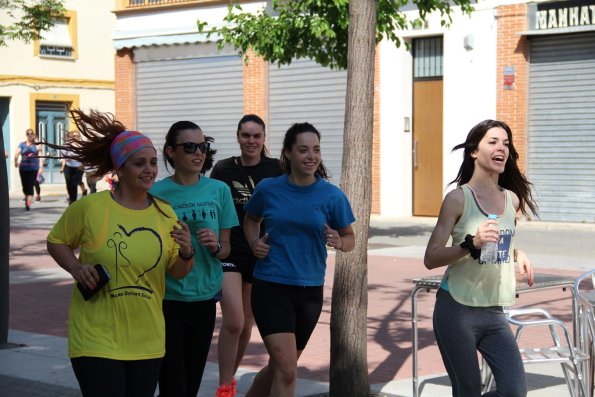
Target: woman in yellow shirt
x=116, y=339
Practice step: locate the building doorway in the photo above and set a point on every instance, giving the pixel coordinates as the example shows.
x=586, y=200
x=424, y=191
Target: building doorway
x=427, y=126
x=52, y=125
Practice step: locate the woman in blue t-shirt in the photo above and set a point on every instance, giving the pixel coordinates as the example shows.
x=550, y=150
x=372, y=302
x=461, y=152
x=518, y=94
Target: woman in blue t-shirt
x=303, y=212
x=30, y=165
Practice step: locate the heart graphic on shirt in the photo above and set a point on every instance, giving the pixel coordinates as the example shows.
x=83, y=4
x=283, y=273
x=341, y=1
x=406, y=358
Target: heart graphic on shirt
x=135, y=237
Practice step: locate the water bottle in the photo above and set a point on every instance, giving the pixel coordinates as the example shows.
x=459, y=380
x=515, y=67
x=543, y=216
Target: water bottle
x=489, y=250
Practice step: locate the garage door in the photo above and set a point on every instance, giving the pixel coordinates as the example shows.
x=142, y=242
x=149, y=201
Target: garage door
x=306, y=91
x=561, y=130
x=207, y=91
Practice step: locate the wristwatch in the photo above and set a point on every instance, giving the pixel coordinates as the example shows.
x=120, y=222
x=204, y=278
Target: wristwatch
x=219, y=249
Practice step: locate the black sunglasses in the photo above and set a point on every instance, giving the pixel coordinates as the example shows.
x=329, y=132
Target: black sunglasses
x=191, y=147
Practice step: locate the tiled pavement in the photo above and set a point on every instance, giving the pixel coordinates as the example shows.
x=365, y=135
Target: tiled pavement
x=40, y=292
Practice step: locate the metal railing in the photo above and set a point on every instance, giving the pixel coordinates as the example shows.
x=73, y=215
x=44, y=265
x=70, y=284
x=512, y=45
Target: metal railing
x=144, y=3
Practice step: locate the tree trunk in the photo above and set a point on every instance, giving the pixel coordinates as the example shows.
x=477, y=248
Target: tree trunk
x=4, y=246
x=349, y=366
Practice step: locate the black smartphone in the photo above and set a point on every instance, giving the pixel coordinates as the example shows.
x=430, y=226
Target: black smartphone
x=104, y=277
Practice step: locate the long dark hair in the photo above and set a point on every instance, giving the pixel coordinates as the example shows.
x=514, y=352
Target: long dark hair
x=290, y=140
x=255, y=119
x=172, y=136
x=99, y=130
x=512, y=178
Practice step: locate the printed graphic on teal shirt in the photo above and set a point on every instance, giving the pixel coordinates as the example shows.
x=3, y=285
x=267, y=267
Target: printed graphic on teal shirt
x=197, y=215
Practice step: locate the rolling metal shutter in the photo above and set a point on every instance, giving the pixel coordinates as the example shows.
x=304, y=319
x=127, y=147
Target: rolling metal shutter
x=561, y=128
x=305, y=91
x=207, y=91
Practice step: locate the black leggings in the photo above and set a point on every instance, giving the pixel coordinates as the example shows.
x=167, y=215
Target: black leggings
x=188, y=332
x=28, y=179
x=281, y=308
x=463, y=330
x=73, y=176
x=101, y=377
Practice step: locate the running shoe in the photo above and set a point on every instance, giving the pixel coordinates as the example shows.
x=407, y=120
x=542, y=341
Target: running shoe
x=224, y=391
x=233, y=387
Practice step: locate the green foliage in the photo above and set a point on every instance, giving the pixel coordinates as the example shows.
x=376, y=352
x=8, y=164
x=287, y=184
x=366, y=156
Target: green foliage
x=27, y=19
x=316, y=29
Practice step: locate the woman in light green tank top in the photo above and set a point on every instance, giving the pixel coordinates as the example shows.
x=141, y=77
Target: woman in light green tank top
x=468, y=316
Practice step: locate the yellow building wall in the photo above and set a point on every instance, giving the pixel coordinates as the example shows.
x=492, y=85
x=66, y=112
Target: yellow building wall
x=85, y=80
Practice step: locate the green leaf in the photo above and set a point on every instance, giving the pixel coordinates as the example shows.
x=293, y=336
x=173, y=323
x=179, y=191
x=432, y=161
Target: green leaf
x=28, y=19
x=318, y=29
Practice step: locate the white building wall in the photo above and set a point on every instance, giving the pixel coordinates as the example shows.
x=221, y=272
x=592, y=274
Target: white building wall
x=175, y=21
x=395, y=144
x=469, y=97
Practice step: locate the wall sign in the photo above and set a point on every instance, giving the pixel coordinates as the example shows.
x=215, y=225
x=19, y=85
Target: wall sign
x=509, y=73
x=562, y=14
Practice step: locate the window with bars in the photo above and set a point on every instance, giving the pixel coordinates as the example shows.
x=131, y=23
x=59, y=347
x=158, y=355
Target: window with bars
x=427, y=57
x=57, y=42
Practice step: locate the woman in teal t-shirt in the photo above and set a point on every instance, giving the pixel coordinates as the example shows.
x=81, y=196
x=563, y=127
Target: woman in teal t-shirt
x=469, y=315
x=189, y=306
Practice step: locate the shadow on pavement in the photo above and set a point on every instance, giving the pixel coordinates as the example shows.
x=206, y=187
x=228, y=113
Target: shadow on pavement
x=16, y=387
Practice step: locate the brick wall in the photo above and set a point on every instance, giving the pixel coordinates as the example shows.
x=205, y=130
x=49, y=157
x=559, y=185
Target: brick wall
x=513, y=50
x=376, y=137
x=125, y=83
x=255, y=86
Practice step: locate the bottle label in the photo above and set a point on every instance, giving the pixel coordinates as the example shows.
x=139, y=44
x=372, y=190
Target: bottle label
x=503, y=247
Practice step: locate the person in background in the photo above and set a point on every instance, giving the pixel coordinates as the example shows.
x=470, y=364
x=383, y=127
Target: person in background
x=303, y=213
x=241, y=174
x=82, y=186
x=73, y=171
x=38, y=181
x=116, y=339
x=92, y=180
x=30, y=165
x=189, y=305
x=468, y=315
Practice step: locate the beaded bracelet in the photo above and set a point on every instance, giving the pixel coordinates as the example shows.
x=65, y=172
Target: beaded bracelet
x=187, y=256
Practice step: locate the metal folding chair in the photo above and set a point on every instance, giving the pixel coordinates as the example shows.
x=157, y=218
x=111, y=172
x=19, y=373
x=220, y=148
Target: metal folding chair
x=572, y=359
x=584, y=310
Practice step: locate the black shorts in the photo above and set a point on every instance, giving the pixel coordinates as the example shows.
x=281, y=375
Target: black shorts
x=281, y=308
x=244, y=267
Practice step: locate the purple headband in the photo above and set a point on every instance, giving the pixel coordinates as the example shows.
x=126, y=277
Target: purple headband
x=126, y=144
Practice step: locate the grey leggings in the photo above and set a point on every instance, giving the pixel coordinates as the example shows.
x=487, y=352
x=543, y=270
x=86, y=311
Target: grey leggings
x=463, y=330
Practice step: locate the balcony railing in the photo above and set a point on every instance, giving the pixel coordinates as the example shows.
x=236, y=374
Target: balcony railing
x=123, y=5
x=142, y=3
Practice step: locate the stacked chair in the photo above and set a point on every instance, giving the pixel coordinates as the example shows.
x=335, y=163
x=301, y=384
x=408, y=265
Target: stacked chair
x=574, y=358
x=584, y=310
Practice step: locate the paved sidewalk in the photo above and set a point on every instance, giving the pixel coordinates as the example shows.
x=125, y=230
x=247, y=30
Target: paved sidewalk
x=40, y=292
